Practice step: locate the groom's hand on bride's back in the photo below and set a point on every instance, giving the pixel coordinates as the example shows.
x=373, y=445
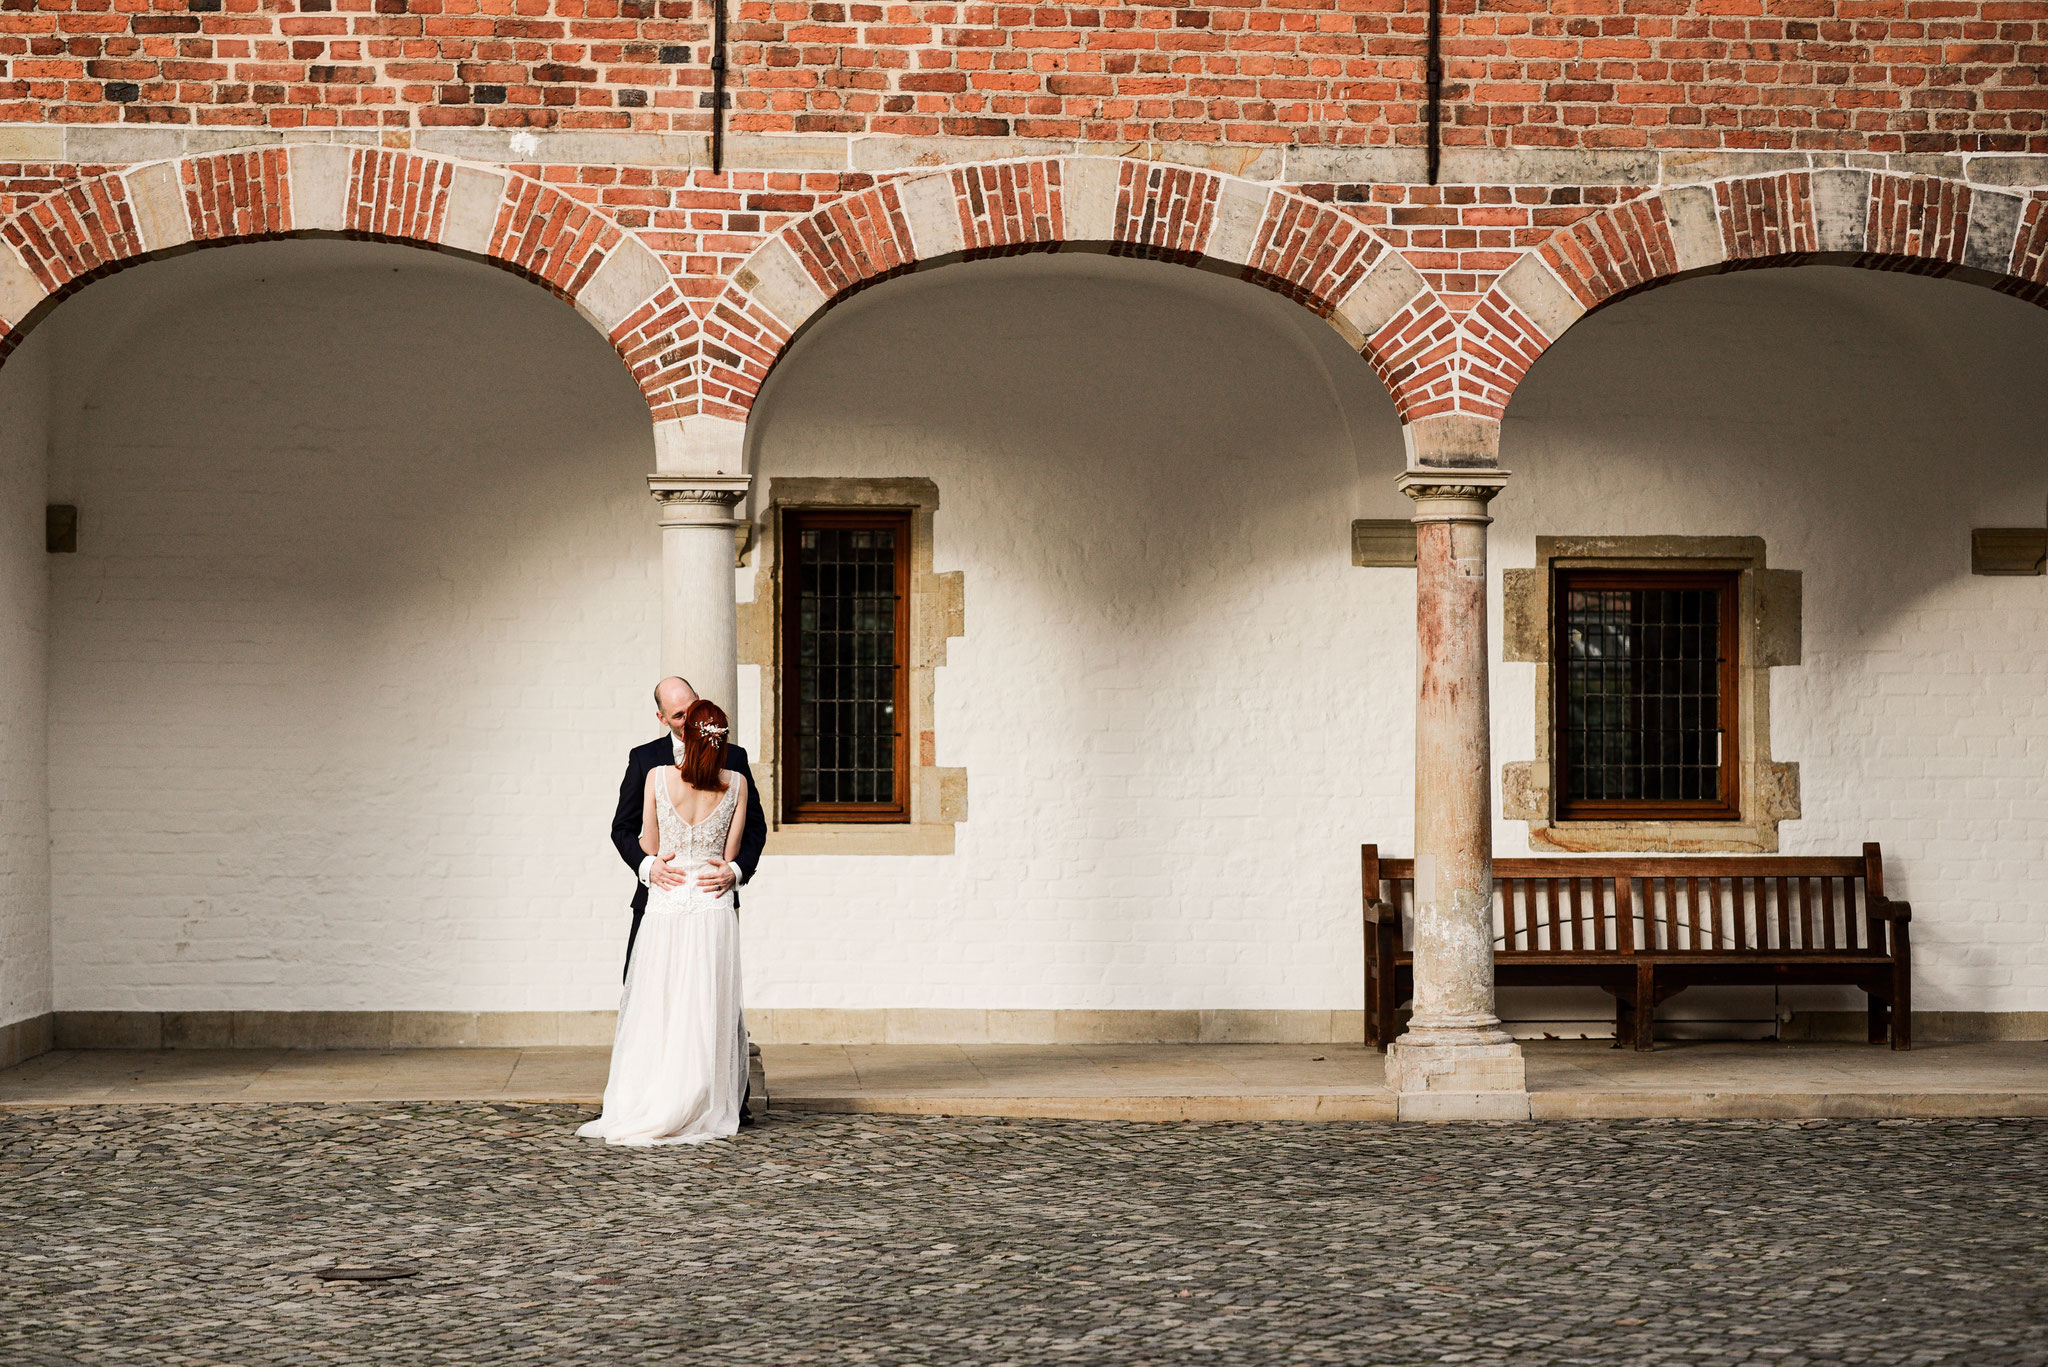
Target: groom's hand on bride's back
x=717, y=876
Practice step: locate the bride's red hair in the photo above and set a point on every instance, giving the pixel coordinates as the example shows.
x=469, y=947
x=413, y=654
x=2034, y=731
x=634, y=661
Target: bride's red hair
x=704, y=731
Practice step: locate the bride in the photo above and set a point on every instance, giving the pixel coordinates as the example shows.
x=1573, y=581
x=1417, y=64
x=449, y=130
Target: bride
x=679, y=1057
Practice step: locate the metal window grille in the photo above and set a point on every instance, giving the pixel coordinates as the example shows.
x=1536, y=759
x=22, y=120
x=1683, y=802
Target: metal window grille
x=1646, y=694
x=848, y=668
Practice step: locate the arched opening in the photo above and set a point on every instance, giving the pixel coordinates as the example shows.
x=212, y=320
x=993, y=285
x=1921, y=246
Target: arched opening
x=363, y=596
x=1857, y=425
x=1173, y=702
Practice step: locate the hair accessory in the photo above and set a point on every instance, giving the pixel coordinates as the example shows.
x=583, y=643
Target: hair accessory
x=708, y=731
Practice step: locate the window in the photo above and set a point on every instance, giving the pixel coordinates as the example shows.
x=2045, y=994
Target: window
x=912, y=804
x=846, y=665
x=1609, y=787
x=1645, y=695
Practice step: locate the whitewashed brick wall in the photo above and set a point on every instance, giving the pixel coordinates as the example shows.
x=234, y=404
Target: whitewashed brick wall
x=1862, y=424
x=341, y=684
x=1179, y=706
x=362, y=626
x=24, y=607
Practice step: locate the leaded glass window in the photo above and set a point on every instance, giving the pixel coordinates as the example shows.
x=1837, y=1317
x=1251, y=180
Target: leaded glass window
x=1645, y=697
x=846, y=617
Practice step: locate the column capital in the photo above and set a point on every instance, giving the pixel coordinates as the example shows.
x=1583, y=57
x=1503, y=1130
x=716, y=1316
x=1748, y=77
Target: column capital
x=698, y=500
x=1452, y=495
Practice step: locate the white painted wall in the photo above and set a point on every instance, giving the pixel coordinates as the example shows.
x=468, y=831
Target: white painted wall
x=1179, y=706
x=342, y=681
x=24, y=632
x=363, y=623
x=1861, y=423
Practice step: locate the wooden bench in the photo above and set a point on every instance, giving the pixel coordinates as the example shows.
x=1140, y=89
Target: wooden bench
x=1644, y=928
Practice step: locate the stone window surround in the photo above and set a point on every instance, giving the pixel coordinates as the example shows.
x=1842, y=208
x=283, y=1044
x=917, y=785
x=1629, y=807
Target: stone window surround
x=938, y=796
x=1770, y=607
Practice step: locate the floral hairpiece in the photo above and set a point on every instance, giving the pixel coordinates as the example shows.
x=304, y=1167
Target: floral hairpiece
x=709, y=731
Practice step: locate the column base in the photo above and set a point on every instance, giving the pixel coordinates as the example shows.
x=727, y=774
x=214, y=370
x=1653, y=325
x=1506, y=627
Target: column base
x=1478, y=1078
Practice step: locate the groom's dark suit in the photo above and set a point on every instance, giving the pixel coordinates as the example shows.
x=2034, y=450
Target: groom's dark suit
x=632, y=796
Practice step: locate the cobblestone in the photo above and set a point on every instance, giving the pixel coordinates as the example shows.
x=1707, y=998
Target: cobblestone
x=192, y=1235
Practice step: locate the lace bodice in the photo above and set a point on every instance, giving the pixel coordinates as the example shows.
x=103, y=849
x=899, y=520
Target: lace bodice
x=706, y=839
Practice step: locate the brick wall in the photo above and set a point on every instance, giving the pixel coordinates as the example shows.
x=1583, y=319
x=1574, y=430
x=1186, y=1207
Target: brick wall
x=24, y=618
x=1883, y=77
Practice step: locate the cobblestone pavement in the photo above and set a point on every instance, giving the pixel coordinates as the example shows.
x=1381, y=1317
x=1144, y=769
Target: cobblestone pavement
x=191, y=1234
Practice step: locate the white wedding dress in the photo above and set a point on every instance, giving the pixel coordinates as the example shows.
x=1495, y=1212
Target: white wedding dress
x=679, y=1057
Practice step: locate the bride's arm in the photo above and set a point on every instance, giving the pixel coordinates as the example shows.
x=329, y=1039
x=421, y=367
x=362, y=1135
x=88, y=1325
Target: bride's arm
x=739, y=826
x=650, y=826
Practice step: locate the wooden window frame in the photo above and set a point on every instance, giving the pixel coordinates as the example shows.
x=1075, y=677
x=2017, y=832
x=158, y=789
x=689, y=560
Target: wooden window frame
x=794, y=521
x=1729, y=804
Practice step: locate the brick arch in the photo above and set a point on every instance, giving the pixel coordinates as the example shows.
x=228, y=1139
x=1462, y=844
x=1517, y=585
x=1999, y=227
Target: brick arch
x=105, y=223
x=1323, y=259
x=1926, y=225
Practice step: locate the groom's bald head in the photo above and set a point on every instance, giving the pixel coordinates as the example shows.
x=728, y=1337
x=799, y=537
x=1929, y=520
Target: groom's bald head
x=673, y=699
x=673, y=692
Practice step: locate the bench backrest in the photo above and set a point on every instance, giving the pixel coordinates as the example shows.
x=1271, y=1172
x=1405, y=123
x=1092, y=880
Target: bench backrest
x=1671, y=905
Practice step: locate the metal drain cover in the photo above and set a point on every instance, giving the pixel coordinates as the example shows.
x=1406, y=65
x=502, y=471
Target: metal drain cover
x=365, y=1274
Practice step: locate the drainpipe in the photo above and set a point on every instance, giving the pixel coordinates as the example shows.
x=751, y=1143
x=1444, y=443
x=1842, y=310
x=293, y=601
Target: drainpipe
x=718, y=86
x=1433, y=70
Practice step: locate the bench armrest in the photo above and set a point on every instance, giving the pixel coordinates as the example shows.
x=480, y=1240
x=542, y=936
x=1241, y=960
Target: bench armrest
x=1382, y=913
x=1887, y=910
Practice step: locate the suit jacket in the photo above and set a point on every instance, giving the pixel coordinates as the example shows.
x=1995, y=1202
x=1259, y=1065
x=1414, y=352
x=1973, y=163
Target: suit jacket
x=633, y=793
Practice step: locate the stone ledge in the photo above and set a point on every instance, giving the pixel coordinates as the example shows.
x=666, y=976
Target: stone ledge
x=329, y=1029
x=1444, y=1107
x=798, y=1025
x=1746, y=1105
x=860, y=839
x=340, y=1030
x=885, y=154
x=1105, y=1082
x=1325, y=1108
x=1931, y=1027
x=942, y=1025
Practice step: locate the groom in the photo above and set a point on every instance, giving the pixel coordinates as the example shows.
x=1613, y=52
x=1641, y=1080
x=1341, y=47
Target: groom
x=673, y=699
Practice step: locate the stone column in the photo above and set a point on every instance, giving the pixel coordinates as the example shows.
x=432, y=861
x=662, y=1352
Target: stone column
x=699, y=620
x=1455, y=1061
